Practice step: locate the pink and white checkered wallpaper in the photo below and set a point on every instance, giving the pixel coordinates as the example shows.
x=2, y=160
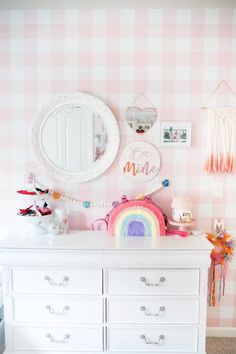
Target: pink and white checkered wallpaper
x=176, y=57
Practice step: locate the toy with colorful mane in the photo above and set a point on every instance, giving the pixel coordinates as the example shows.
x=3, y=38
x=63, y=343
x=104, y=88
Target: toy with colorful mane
x=221, y=255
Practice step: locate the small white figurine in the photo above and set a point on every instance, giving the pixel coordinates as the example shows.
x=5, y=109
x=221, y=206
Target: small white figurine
x=54, y=228
x=182, y=210
x=62, y=218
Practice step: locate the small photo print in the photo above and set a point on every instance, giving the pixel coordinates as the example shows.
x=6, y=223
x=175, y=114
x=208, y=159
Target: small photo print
x=176, y=134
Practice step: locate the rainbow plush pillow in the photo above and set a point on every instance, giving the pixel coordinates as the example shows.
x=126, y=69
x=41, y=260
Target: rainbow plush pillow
x=136, y=218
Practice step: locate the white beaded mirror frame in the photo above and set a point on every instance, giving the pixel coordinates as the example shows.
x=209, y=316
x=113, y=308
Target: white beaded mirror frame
x=108, y=120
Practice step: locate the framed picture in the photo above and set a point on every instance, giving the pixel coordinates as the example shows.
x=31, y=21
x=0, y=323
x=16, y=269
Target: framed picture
x=176, y=134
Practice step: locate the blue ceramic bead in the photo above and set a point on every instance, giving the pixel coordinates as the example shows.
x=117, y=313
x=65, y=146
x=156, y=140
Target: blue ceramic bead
x=165, y=183
x=86, y=204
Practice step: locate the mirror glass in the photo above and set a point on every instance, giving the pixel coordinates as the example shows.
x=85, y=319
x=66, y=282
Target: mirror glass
x=141, y=120
x=74, y=137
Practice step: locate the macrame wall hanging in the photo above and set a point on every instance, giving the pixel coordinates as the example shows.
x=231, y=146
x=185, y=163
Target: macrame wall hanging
x=221, y=134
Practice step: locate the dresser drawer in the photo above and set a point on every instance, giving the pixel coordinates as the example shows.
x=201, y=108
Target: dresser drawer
x=152, y=310
x=58, y=339
x=152, y=340
x=153, y=282
x=82, y=281
x=58, y=310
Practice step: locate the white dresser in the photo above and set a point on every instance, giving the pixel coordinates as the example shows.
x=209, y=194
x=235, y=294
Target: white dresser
x=87, y=292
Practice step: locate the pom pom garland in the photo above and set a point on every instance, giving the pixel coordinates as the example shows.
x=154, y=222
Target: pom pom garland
x=87, y=204
x=56, y=195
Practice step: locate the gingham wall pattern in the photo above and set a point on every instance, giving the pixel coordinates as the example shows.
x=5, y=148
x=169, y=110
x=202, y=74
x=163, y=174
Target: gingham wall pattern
x=176, y=57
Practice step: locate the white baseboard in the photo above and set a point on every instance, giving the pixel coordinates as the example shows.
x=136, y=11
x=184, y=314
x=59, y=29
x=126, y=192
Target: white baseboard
x=221, y=332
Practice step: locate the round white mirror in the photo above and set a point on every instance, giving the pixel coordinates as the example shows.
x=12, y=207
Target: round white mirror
x=75, y=137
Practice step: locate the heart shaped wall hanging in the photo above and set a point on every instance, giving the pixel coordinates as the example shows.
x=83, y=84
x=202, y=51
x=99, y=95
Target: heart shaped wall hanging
x=141, y=115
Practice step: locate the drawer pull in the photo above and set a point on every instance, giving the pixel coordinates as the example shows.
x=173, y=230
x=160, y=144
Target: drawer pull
x=148, y=341
x=52, y=282
x=65, y=340
x=64, y=312
x=147, y=282
x=148, y=313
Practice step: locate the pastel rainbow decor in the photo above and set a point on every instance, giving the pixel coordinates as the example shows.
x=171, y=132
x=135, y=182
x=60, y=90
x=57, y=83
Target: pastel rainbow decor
x=136, y=218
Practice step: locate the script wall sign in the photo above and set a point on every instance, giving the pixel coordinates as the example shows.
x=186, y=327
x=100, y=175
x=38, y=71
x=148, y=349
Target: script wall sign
x=140, y=161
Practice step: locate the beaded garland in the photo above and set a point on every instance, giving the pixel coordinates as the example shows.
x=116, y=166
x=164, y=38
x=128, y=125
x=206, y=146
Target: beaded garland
x=85, y=203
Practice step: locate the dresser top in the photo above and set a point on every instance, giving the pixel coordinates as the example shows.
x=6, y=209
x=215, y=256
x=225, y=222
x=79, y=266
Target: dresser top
x=98, y=240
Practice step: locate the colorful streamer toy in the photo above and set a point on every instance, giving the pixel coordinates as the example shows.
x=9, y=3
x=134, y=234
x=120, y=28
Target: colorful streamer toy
x=221, y=255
